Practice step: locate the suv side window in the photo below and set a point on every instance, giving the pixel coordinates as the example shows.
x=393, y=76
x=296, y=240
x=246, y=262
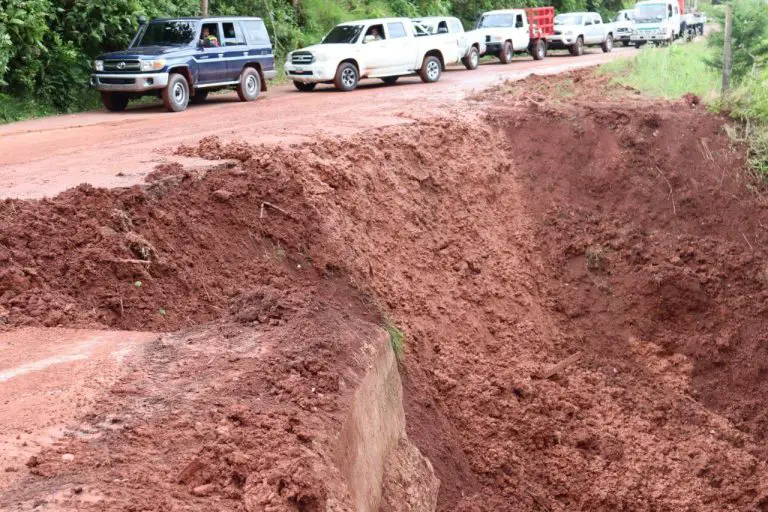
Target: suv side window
x=256, y=32
x=214, y=38
x=232, y=34
x=396, y=30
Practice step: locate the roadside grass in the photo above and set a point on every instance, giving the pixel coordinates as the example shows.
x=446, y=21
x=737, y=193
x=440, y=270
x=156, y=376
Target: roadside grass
x=668, y=72
x=396, y=338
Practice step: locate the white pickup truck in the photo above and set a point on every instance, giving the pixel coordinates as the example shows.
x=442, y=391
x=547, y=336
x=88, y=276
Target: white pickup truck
x=469, y=45
x=385, y=48
x=575, y=30
x=624, y=25
x=510, y=31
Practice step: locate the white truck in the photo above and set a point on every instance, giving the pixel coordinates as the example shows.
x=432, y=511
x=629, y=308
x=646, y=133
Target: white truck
x=624, y=25
x=656, y=21
x=384, y=48
x=469, y=45
x=575, y=30
x=510, y=31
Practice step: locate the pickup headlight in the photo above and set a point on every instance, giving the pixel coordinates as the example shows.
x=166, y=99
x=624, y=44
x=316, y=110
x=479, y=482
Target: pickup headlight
x=98, y=65
x=495, y=39
x=320, y=57
x=568, y=33
x=152, y=65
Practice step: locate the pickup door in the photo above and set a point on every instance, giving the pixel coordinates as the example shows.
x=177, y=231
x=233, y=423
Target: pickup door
x=520, y=36
x=399, y=47
x=599, y=29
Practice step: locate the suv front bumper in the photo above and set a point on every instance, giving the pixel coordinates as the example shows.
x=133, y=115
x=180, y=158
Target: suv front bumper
x=126, y=82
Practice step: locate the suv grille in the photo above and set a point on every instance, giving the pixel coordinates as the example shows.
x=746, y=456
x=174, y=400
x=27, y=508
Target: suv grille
x=302, y=58
x=122, y=65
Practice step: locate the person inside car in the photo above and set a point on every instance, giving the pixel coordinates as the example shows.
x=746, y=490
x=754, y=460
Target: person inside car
x=208, y=40
x=372, y=35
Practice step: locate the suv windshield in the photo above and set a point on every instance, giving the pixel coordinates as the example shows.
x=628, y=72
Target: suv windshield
x=568, y=19
x=166, y=33
x=343, y=34
x=650, y=12
x=497, y=20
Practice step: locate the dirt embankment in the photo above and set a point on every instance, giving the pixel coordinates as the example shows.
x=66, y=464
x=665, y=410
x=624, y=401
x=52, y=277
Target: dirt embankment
x=558, y=216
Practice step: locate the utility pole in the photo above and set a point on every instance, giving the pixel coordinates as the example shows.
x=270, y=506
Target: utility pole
x=727, y=50
x=204, y=7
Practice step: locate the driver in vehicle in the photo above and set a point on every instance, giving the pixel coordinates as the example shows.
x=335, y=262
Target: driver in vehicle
x=208, y=40
x=372, y=35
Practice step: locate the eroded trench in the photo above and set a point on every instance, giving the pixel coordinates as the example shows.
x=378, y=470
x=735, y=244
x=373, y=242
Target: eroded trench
x=620, y=234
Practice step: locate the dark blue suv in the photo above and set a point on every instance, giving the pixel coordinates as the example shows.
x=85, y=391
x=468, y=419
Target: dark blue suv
x=183, y=59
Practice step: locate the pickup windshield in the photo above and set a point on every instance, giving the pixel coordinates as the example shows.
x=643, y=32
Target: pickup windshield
x=497, y=20
x=568, y=19
x=343, y=34
x=646, y=13
x=166, y=33
x=624, y=16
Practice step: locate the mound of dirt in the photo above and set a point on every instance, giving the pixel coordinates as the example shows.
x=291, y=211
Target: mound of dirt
x=560, y=219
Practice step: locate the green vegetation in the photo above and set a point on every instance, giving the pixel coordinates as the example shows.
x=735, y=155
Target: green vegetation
x=47, y=46
x=669, y=72
x=697, y=68
x=396, y=338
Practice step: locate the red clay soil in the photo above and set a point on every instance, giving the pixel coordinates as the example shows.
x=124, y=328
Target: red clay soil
x=547, y=218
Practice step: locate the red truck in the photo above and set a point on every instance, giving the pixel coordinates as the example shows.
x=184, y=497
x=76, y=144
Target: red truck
x=510, y=31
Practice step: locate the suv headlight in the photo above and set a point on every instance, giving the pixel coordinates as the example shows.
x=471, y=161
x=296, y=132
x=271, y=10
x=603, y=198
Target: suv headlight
x=320, y=57
x=152, y=65
x=98, y=65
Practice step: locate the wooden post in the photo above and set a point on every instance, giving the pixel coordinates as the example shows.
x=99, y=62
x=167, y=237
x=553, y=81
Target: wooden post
x=727, y=50
x=204, y=7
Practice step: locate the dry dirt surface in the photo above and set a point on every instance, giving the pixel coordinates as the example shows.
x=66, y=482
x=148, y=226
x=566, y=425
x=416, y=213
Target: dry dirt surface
x=580, y=272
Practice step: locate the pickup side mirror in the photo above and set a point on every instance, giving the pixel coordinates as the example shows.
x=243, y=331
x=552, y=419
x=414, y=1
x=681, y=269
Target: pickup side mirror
x=142, y=20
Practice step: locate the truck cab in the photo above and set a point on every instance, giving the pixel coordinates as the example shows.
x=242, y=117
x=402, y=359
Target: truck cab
x=183, y=59
x=384, y=48
x=510, y=31
x=656, y=21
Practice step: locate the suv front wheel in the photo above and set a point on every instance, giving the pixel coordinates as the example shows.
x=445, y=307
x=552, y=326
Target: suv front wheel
x=114, y=101
x=249, y=87
x=176, y=93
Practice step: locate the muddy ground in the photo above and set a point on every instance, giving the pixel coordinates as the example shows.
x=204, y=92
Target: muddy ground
x=552, y=219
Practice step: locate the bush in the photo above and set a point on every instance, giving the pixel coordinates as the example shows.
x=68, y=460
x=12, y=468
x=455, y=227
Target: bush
x=750, y=38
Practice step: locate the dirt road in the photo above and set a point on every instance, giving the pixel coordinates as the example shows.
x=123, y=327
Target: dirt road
x=44, y=157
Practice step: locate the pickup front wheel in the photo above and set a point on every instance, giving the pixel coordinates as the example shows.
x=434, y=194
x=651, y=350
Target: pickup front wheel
x=607, y=45
x=249, y=87
x=539, y=49
x=346, y=77
x=431, y=69
x=472, y=60
x=114, y=101
x=176, y=93
x=577, y=48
